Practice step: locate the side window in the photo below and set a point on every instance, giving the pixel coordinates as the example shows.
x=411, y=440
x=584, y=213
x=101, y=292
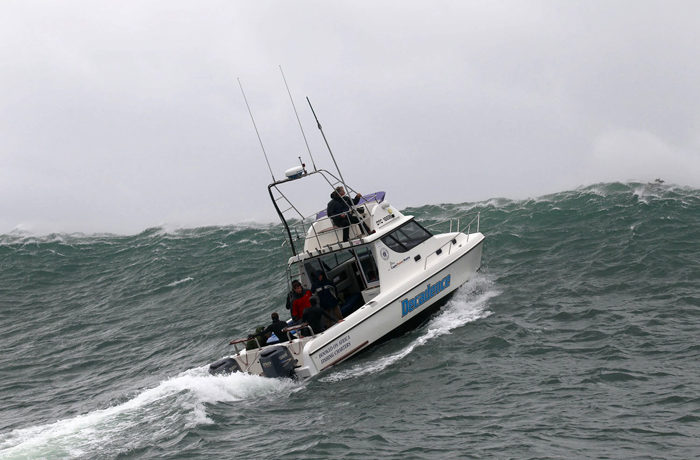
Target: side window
x=312, y=267
x=406, y=237
x=327, y=263
x=336, y=258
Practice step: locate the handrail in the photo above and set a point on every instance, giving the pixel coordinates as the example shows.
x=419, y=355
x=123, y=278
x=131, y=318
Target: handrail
x=281, y=196
x=452, y=241
x=289, y=329
x=307, y=223
x=295, y=328
x=458, y=222
x=245, y=360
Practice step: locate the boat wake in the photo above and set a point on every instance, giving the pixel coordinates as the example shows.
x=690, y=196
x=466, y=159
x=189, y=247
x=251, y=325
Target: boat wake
x=469, y=303
x=176, y=403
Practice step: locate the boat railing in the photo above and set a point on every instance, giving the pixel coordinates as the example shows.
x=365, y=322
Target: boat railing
x=244, y=357
x=455, y=223
x=298, y=327
x=476, y=219
x=248, y=361
x=292, y=216
x=308, y=226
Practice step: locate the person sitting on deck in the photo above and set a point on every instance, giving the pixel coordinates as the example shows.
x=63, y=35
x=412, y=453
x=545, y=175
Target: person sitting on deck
x=256, y=339
x=276, y=328
x=313, y=315
x=340, y=211
x=300, y=301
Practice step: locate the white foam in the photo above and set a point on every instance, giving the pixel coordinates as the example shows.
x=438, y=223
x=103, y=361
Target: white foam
x=187, y=391
x=469, y=304
x=244, y=241
x=493, y=202
x=184, y=280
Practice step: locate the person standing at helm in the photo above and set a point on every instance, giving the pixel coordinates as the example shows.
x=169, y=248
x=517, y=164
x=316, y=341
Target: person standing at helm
x=340, y=211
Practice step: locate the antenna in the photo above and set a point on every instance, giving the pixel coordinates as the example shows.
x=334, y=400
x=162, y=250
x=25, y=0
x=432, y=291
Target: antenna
x=256, y=131
x=298, y=120
x=326, y=141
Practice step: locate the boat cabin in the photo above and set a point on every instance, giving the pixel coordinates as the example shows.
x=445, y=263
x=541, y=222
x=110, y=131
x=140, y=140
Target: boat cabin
x=359, y=266
x=352, y=270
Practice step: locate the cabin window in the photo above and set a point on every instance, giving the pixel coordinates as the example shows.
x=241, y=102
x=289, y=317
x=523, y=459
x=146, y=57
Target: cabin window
x=335, y=259
x=406, y=237
x=353, y=271
x=329, y=264
x=313, y=266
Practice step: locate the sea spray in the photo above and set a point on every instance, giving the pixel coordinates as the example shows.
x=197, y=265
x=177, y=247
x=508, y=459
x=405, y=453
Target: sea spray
x=182, y=398
x=469, y=303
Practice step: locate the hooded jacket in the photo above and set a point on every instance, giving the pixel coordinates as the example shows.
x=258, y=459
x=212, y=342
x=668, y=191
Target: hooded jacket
x=339, y=205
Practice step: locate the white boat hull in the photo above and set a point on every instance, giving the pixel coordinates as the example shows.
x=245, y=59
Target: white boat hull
x=391, y=310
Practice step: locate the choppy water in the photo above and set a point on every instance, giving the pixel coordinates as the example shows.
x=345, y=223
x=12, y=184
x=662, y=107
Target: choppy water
x=579, y=338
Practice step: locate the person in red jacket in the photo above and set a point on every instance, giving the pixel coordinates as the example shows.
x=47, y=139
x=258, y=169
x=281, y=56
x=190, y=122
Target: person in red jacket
x=300, y=300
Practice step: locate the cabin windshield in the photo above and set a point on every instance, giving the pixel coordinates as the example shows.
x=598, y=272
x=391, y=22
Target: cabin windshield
x=353, y=271
x=406, y=237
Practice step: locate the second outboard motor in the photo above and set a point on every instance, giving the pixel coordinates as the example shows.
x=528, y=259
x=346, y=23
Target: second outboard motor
x=224, y=366
x=277, y=362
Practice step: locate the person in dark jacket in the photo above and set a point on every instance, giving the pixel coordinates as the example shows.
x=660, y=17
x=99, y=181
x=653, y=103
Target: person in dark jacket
x=340, y=211
x=314, y=315
x=276, y=328
x=327, y=295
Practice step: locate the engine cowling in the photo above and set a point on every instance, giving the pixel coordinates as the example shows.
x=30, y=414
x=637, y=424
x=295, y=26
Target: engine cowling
x=277, y=362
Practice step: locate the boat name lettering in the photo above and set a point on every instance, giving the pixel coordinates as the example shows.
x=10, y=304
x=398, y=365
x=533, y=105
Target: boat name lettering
x=408, y=305
x=334, y=349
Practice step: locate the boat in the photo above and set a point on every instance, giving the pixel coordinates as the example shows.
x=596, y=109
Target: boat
x=388, y=271
x=387, y=279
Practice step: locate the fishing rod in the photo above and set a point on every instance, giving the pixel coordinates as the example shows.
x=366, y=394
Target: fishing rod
x=256, y=131
x=342, y=180
x=298, y=120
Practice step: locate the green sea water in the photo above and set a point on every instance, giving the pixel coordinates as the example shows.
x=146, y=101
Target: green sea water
x=579, y=338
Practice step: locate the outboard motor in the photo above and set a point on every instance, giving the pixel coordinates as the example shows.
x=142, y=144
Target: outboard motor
x=277, y=362
x=224, y=366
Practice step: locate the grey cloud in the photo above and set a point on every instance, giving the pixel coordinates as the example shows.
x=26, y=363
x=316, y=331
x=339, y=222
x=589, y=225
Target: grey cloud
x=118, y=116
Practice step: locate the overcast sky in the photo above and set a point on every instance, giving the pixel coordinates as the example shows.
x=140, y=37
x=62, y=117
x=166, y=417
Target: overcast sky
x=122, y=115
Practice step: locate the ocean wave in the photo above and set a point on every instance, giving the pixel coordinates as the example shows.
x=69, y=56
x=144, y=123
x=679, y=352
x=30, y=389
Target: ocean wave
x=594, y=294
x=180, y=399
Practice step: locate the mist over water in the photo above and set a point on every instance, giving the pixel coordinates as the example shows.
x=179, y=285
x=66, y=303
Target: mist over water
x=577, y=339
